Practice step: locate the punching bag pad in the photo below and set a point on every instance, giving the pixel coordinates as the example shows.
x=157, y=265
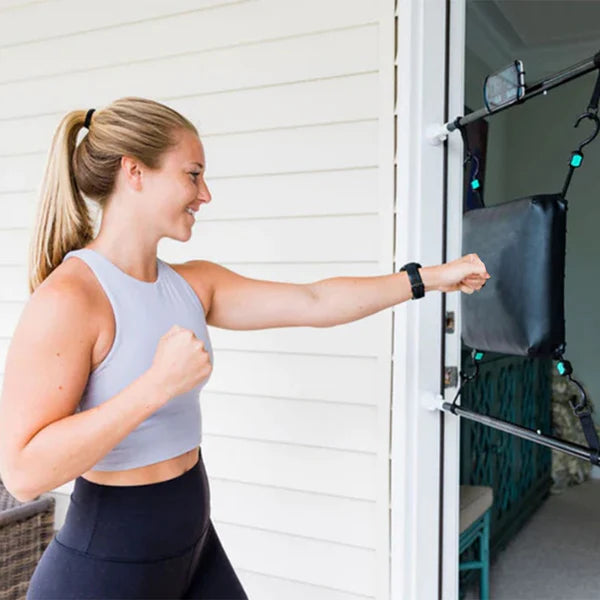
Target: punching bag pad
x=520, y=310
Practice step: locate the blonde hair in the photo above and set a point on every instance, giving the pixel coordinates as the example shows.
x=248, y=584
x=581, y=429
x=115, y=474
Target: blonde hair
x=137, y=127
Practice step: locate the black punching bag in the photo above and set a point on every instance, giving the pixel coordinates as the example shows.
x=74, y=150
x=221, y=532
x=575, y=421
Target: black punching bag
x=520, y=311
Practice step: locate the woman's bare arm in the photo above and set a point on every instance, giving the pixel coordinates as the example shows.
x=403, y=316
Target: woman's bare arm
x=65, y=449
x=43, y=442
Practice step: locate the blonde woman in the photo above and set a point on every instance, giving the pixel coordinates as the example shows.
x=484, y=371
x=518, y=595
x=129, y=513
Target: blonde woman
x=110, y=354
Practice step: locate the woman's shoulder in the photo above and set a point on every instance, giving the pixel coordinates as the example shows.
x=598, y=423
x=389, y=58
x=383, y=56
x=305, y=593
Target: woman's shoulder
x=197, y=274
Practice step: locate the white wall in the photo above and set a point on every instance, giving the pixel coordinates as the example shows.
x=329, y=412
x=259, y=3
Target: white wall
x=294, y=103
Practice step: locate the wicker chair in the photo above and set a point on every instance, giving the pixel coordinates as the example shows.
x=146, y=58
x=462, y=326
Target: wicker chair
x=26, y=529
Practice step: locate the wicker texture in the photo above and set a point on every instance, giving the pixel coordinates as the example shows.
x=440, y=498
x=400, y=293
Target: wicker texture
x=26, y=529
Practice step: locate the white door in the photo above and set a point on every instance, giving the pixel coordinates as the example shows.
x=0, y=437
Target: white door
x=425, y=441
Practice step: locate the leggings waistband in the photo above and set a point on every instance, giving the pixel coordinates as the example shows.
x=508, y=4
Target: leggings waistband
x=138, y=522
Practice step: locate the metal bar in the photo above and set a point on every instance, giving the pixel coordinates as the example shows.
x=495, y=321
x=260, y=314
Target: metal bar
x=581, y=68
x=525, y=433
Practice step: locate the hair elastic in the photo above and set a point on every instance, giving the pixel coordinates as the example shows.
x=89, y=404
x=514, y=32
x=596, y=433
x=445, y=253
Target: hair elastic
x=88, y=117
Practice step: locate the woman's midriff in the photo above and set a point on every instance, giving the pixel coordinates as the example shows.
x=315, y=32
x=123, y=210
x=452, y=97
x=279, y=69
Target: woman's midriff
x=154, y=473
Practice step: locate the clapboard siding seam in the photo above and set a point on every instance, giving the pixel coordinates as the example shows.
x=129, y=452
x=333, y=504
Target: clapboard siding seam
x=255, y=262
x=291, y=217
x=271, y=85
x=292, y=535
x=329, y=123
x=300, y=172
x=215, y=478
x=259, y=263
x=133, y=63
x=303, y=583
x=244, y=176
x=280, y=352
x=18, y=6
x=292, y=398
x=241, y=132
x=206, y=434
x=252, y=351
x=60, y=113
x=285, y=488
x=120, y=24
x=236, y=219
x=264, y=441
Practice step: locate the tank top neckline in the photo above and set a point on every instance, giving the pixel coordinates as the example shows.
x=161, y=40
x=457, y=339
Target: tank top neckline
x=154, y=283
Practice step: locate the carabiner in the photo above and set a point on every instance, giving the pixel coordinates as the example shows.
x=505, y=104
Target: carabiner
x=594, y=117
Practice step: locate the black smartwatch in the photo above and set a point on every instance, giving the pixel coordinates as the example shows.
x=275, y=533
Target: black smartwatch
x=416, y=283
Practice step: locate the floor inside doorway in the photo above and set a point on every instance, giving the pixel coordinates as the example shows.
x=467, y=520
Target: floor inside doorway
x=556, y=556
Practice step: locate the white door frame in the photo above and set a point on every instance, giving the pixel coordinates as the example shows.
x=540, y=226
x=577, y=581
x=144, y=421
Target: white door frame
x=418, y=552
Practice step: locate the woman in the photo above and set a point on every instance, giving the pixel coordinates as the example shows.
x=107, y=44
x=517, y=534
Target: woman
x=119, y=344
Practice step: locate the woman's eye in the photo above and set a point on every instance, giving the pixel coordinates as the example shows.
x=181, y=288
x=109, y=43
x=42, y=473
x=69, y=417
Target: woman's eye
x=195, y=174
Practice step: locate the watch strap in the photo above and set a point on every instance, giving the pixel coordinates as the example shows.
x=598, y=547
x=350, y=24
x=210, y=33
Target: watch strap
x=416, y=283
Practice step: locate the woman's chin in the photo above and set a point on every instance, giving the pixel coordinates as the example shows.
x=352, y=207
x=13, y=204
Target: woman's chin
x=188, y=233
x=188, y=228
x=182, y=235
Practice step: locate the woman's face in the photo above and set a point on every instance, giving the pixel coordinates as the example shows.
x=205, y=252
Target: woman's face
x=180, y=185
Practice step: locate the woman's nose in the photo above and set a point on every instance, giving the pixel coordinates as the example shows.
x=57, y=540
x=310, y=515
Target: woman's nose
x=204, y=192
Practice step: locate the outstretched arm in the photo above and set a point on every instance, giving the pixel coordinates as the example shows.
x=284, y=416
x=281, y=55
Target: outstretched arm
x=242, y=303
x=347, y=299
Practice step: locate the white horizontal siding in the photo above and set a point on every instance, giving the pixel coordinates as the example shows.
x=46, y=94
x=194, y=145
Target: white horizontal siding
x=98, y=35
x=280, y=587
x=319, y=147
x=293, y=102
x=337, y=566
x=291, y=420
x=337, y=99
x=7, y=5
x=307, y=57
x=317, y=516
x=292, y=466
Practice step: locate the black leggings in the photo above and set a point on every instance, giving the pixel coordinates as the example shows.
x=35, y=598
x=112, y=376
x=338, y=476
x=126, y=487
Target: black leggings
x=141, y=541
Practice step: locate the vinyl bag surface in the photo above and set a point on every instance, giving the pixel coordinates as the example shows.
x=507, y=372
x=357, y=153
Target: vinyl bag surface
x=520, y=311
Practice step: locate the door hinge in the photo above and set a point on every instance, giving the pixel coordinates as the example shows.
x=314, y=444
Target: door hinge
x=450, y=377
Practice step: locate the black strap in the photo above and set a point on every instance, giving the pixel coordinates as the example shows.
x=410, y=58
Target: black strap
x=416, y=283
x=592, y=114
x=581, y=409
x=591, y=436
x=593, y=105
x=474, y=182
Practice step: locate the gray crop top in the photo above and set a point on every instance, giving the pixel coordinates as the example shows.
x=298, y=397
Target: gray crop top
x=144, y=312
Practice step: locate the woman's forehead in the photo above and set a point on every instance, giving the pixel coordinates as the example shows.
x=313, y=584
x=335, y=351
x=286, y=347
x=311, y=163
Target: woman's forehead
x=190, y=150
x=188, y=155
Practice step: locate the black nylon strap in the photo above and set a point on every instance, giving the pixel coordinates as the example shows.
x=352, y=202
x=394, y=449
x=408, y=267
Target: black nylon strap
x=593, y=105
x=589, y=430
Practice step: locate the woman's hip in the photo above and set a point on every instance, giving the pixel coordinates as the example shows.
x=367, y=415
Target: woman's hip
x=138, y=523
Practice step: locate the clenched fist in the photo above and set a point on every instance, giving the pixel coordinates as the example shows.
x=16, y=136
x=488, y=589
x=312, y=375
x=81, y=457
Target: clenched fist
x=466, y=274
